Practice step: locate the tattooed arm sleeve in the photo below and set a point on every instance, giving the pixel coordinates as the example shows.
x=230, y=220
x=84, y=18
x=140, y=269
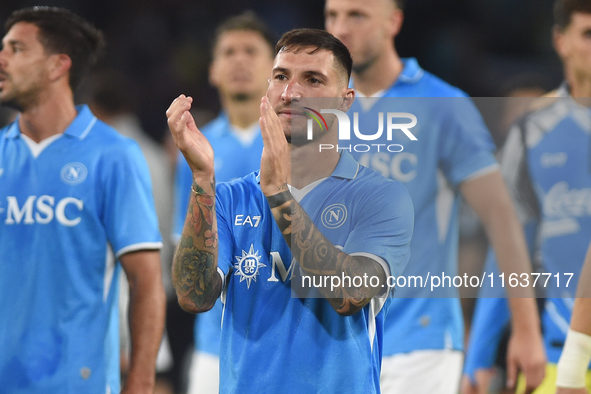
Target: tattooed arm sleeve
x=318, y=257
x=194, y=268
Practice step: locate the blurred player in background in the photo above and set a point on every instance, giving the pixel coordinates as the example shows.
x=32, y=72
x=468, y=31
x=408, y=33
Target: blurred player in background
x=242, y=60
x=545, y=161
x=75, y=198
x=424, y=336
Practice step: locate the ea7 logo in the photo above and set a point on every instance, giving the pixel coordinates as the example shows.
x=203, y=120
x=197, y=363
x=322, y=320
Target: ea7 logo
x=42, y=211
x=345, y=125
x=253, y=221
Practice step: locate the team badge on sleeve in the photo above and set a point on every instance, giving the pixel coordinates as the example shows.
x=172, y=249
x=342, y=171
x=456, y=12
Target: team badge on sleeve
x=247, y=266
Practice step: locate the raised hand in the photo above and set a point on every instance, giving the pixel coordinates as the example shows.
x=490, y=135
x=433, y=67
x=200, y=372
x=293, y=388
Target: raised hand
x=187, y=137
x=275, y=160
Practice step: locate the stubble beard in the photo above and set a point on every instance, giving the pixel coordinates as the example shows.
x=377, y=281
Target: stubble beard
x=241, y=97
x=20, y=100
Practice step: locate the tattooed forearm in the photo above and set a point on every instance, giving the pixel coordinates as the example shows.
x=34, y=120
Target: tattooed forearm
x=194, y=268
x=317, y=256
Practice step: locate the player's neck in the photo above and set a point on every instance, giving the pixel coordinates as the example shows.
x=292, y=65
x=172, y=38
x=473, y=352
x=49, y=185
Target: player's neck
x=380, y=75
x=51, y=115
x=580, y=86
x=242, y=114
x=309, y=164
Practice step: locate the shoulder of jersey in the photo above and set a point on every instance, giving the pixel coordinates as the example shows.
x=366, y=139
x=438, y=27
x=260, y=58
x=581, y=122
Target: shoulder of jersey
x=214, y=127
x=373, y=179
x=248, y=181
x=108, y=137
x=5, y=128
x=439, y=88
x=544, y=102
x=545, y=107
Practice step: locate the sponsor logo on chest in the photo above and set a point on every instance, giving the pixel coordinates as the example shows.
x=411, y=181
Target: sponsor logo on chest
x=42, y=210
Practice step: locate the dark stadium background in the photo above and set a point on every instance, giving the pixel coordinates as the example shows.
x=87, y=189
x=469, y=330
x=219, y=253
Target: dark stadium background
x=163, y=45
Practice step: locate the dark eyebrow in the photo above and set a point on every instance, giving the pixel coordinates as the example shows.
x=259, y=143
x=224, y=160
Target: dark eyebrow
x=309, y=73
x=315, y=74
x=281, y=70
x=14, y=42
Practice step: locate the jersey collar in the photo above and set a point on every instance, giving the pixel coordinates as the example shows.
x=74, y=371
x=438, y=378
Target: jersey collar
x=347, y=168
x=563, y=90
x=79, y=127
x=411, y=73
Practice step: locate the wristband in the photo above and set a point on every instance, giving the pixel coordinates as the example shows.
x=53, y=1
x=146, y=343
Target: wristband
x=574, y=360
x=279, y=199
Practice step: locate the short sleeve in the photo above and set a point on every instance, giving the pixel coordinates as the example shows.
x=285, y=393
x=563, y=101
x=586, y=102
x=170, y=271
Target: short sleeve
x=515, y=172
x=384, y=227
x=466, y=146
x=129, y=215
x=225, y=238
x=182, y=192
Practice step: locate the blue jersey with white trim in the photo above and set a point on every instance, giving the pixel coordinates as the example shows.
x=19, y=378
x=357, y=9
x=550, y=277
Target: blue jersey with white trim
x=273, y=342
x=69, y=207
x=233, y=159
x=559, y=162
x=546, y=163
x=452, y=145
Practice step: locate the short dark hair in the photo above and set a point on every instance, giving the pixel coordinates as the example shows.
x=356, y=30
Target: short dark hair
x=399, y=4
x=299, y=39
x=62, y=31
x=247, y=21
x=564, y=10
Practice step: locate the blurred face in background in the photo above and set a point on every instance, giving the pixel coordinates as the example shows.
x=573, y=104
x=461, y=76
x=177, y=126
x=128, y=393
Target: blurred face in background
x=242, y=62
x=573, y=45
x=366, y=27
x=24, y=67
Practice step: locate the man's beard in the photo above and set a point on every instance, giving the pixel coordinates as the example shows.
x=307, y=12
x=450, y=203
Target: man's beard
x=241, y=97
x=359, y=68
x=12, y=102
x=21, y=100
x=300, y=138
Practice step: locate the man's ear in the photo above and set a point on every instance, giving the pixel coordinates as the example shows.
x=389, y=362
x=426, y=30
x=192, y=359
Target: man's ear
x=395, y=21
x=347, y=100
x=60, y=66
x=213, y=75
x=560, y=44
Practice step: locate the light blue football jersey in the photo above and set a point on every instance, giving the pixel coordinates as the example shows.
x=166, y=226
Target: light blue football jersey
x=275, y=343
x=453, y=145
x=233, y=159
x=68, y=210
x=547, y=165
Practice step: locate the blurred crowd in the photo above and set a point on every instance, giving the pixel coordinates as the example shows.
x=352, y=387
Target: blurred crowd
x=163, y=47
